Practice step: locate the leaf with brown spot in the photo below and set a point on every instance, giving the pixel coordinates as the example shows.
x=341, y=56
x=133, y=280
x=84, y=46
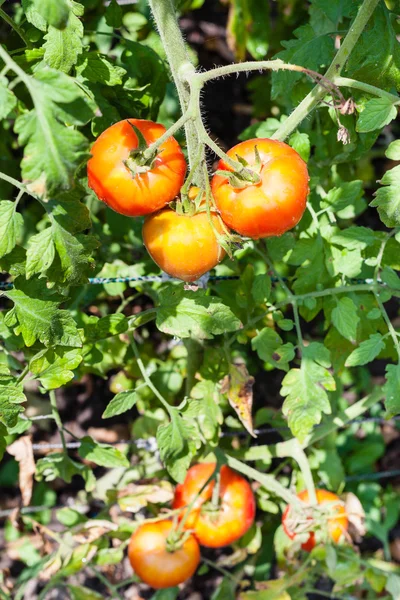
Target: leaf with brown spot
x=238, y=386
x=135, y=497
x=93, y=530
x=22, y=451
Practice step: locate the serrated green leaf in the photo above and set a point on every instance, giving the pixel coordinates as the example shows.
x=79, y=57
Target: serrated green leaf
x=269, y=346
x=377, y=113
x=185, y=314
x=36, y=316
x=345, y=318
x=8, y=100
x=340, y=199
x=306, y=398
x=120, y=403
x=354, y=238
x=366, y=351
x=176, y=443
x=392, y=390
x=261, y=288
x=63, y=46
x=387, y=198
x=203, y=410
x=58, y=464
x=40, y=252
x=346, y=262
x=390, y=277
x=301, y=143
x=95, y=68
x=32, y=14
x=54, y=12
x=11, y=223
x=54, y=368
x=102, y=454
x=393, y=150
x=318, y=353
x=114, y=14
x=11, y=396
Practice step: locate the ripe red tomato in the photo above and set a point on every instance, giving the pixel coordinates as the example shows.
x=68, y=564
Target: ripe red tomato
x=335, y=525
x=184, y=246
x=276, y=203
x=236, y=511
x=157, y=565
x=152, y=187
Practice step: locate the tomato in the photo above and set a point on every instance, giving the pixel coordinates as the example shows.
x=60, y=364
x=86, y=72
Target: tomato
x=184, y=246
x=335, y=526
x=154, y=563
x=236, y=511
x=152, y=187
x=276, y=203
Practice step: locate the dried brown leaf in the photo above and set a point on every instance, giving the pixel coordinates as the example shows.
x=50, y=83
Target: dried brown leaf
x=238, y=386
x=134, y=497
x=93, y=530
x=21, y=449
x=356, y=517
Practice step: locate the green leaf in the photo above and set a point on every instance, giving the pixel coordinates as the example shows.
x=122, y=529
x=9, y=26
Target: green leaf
x=391, y=278
x=346, y=262
x=301, y=143
x=53, y=151
x=392, y=391
x=63, y=46
x=306, y=396
x=11, y=223
x=8, y=100
x=354, y=238
x=204, y=411
x=318, y=353
x=377, y=113
x=54, y=368
x=102, y=454
x=269, y=346
x=11, y=396
x=185, y=314
x=83, y=593
x=387, y=198
x=3, y=441
x=54, y=12
x=176, y=443
x=40, y=252
x=367, y=351
x=343, y=200
x=36, y=317
x=120, y=403
x=97, y=69
x=345, y=318
x=261, y=288
x=114, y=15
x=58, y=464
x=393, y=150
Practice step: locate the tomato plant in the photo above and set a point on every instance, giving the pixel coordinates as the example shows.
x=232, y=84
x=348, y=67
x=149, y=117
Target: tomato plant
x=216, y=521
x=271, y=206
x=155, y=563
x=199, y=299
x=125, y=179
x=334, y=523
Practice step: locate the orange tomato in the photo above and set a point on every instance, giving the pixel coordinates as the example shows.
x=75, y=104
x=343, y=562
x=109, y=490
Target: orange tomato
x=184, y=246
x=335, y=525
x=148, y=190
x=154, y=563
x=236, y=511
x=276, y=203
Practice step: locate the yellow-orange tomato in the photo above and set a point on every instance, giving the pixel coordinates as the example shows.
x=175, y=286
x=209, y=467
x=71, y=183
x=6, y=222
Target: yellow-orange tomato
x=336, y=525
x=183, y=246
x=236, y=511
x=154, y=563
x=276, y=203
x=152, y=187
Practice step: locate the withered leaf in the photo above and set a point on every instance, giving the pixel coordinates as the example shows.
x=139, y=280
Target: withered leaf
x=21, y=449
x=238, y=386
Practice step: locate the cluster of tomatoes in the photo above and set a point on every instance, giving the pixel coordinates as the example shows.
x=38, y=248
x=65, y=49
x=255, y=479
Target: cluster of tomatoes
x=165, y=553
x=135, y=181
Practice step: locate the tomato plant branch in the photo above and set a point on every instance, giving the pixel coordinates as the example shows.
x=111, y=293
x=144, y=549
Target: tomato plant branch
x=316, y=95
x=392, y=331
x=14, y=26
x=365, y=87
x=293, y=449
x=149, y=152
x=57, y=418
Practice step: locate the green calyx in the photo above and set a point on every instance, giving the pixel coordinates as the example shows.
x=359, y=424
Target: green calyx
x=140, y=160
x=248, y=174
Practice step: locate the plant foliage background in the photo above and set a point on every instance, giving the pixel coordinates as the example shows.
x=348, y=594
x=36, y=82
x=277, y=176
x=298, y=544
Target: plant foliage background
x=312, y=316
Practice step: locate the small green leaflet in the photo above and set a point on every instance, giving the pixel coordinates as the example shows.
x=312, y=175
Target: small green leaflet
x=392, y=390
x=36, y=316
x=40, y=252
x=114, y=14
x=185, y=314
x=53, y=151
x=3, y=442
x=261, y=288
x=102, y=454
x=354, y=238
x=387, y=198
x=58, y=464
x=204, y=411
x=345, y=318
x=11, y=223
x=301, y=143
x=54, y=12
x=377, y=113
x=120, y=403
x=8, y=100
x=319, y=353
x=95, y=68
x=11, y=396
x=54, y=367
x=177, y=446
x=270, y=348
x=83, y=593
x=366, y=351
x=63, y=46
x=393, y=150
x=390, y=277
x=306, y=398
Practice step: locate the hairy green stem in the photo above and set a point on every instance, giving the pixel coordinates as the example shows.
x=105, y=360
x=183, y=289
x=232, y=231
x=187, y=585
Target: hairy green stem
x=165, y=17
x=57, y=418
x=391, y=329
x=293, y=449
x=365, y=87
x=16, y=28
x=316, y=95
x=165, y=136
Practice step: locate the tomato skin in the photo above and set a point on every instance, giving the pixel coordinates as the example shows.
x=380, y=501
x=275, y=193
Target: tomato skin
x=336, y=525
x=237, y=504
x=274, y=205
x=154, y=564
x=116, y=186
x=181, y=245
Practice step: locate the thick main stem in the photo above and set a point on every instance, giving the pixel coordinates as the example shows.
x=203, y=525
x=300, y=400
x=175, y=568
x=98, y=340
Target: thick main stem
x=174, y=45
x=314, y=97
